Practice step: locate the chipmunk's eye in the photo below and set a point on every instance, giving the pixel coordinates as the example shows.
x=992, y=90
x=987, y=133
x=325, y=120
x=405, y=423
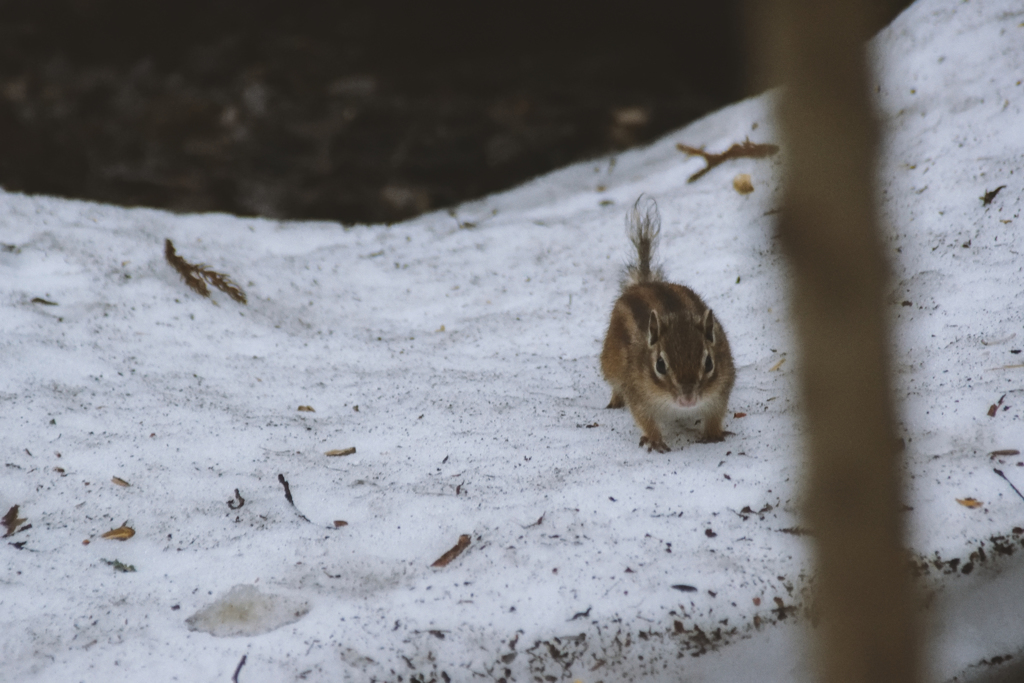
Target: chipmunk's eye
x=660, y=366
x=709, y=364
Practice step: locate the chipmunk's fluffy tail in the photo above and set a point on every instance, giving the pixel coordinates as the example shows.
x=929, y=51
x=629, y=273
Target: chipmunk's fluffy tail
x=643, y=225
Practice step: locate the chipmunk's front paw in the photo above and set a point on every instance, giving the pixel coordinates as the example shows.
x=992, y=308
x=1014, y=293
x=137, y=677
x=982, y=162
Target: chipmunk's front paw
x=654, y=444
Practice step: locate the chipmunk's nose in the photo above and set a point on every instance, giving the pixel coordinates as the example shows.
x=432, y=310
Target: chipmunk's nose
x=687, y=399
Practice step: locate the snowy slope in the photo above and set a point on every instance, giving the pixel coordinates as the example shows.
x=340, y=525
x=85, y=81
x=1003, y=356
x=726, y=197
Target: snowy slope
x=469, y=344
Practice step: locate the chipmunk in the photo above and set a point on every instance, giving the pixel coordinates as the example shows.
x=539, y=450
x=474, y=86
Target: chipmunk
x=665, y=355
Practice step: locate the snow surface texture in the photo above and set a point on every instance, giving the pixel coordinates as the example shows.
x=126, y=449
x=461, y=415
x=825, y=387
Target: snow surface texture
x=244, y=611
x=458, y=355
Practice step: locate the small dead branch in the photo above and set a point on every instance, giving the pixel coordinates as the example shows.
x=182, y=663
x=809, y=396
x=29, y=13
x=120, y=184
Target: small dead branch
x=582, y=615
x=537, y=523
x=445, y=559
x=995, y=342
x=196, y=276
x=288, y=496
x=238, y=669
x=287, y=489
x=1000, y=473
x=238, y=502
x=745, y=149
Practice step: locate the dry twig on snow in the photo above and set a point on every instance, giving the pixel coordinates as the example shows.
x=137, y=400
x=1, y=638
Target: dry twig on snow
x=745, y=149
x=196, y=276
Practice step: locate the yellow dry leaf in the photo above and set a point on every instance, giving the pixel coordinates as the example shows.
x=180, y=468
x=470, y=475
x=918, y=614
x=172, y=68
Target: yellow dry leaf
x=969, y=502
x=121, y=533
x=742, y=184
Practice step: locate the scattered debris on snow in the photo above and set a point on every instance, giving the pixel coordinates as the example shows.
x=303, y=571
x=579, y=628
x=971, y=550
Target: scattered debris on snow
x=460, y=358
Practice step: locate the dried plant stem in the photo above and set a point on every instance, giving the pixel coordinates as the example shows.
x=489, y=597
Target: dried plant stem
x=745, y=149
x=197, y=275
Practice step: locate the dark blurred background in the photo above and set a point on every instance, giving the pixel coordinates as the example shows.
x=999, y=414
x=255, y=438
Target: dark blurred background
x=351, y=111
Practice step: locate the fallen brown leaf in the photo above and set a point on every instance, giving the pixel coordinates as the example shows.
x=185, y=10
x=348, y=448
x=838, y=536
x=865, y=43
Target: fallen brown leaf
x=1007, y=451
x=987, y=198
x=340, y=522
x=739, y=415
x=969, y=502
x=341, y=451
x=12, y=521
x=121, y=533
x=306, y=409
x=119, y=481
x=445, y=559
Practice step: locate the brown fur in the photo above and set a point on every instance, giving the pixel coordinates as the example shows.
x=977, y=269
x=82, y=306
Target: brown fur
x=653, y=320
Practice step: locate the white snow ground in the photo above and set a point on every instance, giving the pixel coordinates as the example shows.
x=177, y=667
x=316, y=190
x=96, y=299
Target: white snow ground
x=471, y=353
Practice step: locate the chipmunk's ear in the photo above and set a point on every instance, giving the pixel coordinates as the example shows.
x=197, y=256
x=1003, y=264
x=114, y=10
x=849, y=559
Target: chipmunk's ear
x=654, y=329
x=709, y=326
